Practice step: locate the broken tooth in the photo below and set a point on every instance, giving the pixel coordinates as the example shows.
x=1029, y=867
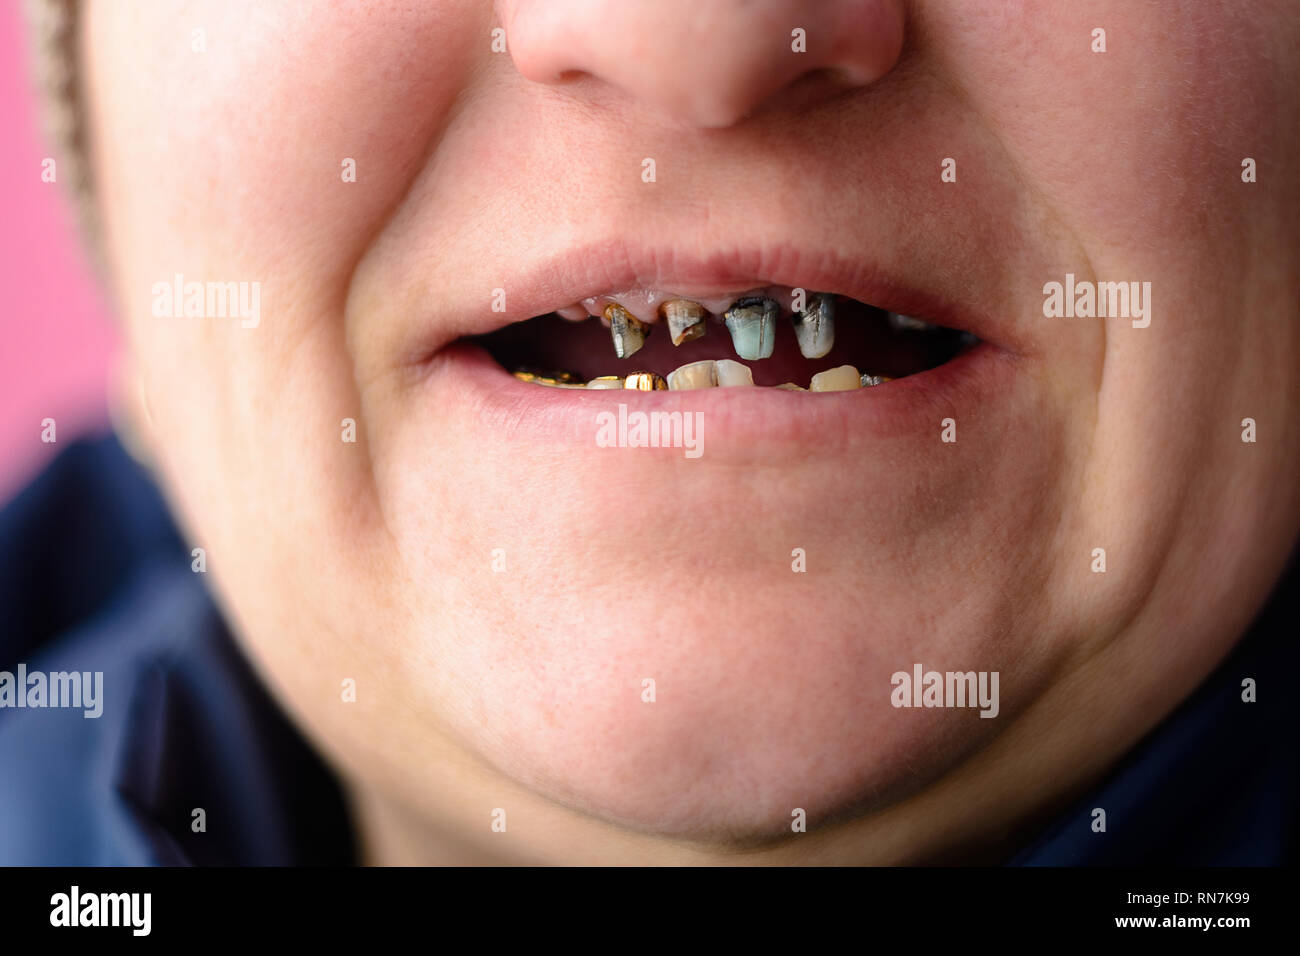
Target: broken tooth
x=606, y=381
x=695, y=375
x=869, y=380
x=627, y=331
x=839, y=379
x=814, y=327
x=645, y=382
x=791, y=387
x=752, y=324
x=686, y=320
x=733, y=373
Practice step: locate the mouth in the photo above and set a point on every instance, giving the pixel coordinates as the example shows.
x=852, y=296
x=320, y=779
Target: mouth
x=782, y=348
x=608, y=317
x=650, y=339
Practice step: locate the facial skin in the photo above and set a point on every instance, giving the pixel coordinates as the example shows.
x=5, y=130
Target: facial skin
x=521, y=689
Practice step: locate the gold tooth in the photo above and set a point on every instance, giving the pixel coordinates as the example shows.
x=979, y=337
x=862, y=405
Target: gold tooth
x=685, y=319
x=626, y=330
x=548, y=378
x=645, y=382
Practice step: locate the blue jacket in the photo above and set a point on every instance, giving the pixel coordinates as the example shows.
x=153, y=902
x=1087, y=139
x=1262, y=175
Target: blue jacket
x=93, y=577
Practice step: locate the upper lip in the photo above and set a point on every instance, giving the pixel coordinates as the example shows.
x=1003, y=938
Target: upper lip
x=616, y=265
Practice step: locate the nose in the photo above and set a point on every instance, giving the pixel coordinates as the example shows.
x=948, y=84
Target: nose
x=706, y=63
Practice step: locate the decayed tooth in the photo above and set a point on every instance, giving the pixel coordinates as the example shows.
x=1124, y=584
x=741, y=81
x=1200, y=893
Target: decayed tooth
x=645, y=382
x=686, y=319
x=839, y=379
x=814, y=327
x=695, y=375
x=627, y=331
x=733, y=373
x=548, y=378
x=905, y=323
x=752, y=324
x=606, y=381
x=869, y=380
x=791, y=387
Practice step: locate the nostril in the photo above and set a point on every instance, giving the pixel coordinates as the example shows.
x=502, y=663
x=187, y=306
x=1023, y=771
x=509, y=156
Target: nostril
x=742, y=60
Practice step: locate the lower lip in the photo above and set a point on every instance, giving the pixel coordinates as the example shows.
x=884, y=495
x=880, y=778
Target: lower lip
x=740, y=422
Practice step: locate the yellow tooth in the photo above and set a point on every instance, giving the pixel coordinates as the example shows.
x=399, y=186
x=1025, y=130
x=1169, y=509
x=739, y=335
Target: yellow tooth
x=645, y=382
x=840, y=379
x=606, y=381
x=686, y=320
x=627, y=331
x=695, y=375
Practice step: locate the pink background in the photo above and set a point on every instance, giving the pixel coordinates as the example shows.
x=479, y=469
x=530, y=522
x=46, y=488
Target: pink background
x=56, y=333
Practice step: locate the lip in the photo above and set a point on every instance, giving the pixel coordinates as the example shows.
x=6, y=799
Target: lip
x=743, y=423
x=615, y=265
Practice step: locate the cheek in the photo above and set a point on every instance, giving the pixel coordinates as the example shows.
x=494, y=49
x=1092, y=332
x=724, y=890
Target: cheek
x=1142, y=142
x=228, y=127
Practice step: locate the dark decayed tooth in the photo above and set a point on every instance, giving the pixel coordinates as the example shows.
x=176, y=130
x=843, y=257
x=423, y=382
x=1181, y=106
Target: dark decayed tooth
x=752, y=324
x=627, y=331
x=814, y=327
x=686, y=319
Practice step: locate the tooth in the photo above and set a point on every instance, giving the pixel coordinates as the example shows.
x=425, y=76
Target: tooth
x=685, y=320
x=627, y=331
x=839, y=379
x=695, y=375
x=905, y=323
x=645, y=382
x=574, y=313
x=869, y=380
x=752, y=324
x=791, y=387
x=733, y=373
x=814, y=327
x=606, y=381
x=547, y=378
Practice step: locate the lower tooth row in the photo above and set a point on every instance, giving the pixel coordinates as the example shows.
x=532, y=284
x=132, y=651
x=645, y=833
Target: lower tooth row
x=722, y=373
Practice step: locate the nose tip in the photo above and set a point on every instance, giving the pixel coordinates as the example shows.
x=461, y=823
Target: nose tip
x=706, y=63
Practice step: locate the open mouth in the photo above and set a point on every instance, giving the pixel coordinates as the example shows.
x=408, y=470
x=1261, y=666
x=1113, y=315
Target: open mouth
x=769, y=337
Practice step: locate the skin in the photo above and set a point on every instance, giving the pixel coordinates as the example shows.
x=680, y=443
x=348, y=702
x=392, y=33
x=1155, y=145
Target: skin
x=521, y=690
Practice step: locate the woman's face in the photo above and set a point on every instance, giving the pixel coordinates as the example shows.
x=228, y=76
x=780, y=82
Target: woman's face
x=501, y=587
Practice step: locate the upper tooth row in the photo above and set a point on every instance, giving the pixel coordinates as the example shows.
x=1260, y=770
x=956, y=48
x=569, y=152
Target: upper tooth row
x=750, y=320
